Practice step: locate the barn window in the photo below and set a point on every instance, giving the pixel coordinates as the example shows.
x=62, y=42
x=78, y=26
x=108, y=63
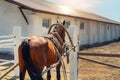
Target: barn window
x=67, y=24
x=46, y=22
x=82, y=25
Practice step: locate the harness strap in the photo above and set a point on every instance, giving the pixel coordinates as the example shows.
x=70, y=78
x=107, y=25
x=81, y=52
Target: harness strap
x=60, y=58
x=55, y=38
x=55, y=34
x=52, y=40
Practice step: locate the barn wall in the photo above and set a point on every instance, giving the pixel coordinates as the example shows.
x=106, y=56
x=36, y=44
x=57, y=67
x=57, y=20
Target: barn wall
x=94, y=35
x=84, y=33
x=10, y=16
x=101, y=32
x=105, y=32
x=113, y=32
x=108, y=32
x=94, y=32
x=118, y=31
x=34, y=24
x=35, y=27
x=98, y=32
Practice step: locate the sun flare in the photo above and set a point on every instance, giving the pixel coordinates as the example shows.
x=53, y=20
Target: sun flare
x=80, y=4
x=65, y=9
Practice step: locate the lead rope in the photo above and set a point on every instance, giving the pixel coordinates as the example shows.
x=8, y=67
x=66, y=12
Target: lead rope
x=61, y=59
x=62, y=62
x=63, y=65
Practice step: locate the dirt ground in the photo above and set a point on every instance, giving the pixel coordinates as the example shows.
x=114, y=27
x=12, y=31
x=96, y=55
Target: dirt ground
x=96, y=63
x=103, y=63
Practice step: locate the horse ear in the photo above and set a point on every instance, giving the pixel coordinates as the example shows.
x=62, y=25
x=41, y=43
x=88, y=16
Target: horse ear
x=57, y=21
x=64, y=22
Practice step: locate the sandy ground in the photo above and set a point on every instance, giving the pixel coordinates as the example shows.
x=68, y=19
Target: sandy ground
x=103, y=64
x=4, y=68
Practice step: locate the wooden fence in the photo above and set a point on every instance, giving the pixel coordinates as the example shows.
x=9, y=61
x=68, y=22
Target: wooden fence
x=12, y=41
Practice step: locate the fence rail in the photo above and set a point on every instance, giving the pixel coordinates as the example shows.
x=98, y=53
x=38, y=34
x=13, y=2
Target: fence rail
x=23, y=38
x=10, y=36
x=7, y=62
x=3, y=60
x=6, y=41
x=11, y=41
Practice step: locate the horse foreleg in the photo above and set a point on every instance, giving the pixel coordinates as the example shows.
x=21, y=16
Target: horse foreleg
x=58, y=72
x=48, y=75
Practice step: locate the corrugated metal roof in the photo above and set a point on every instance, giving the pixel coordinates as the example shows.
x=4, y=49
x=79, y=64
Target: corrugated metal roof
x=48, y=7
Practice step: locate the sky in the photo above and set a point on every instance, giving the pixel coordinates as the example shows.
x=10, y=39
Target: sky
x=105, y=8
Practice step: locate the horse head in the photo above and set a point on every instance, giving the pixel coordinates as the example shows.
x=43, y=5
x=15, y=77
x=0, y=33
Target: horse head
x=60, y=30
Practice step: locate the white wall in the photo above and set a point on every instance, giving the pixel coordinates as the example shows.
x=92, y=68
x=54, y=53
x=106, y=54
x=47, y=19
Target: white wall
x=53, y=18
x=101, y=32
x=10, y=16
x=94, y=35
x=117, y=31
x=113, y=32
x=94, y=31
x=108, y=32
x=84, y=33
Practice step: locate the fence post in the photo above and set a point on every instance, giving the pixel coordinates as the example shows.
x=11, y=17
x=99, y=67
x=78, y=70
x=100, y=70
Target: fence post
x=17, y=39
x=74, y=55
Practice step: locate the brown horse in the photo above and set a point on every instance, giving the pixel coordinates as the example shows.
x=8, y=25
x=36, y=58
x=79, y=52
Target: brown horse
x=37, y=52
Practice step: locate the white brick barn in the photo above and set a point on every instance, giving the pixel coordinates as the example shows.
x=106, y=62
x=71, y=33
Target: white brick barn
x=35, y=16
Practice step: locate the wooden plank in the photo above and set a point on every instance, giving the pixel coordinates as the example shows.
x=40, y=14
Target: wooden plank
x=100, y=54
x=6, y=41
x=8, y=62
x=17, y=40
x=4, y=60
x=74, y=55
x=10, y=36
x=8, y=71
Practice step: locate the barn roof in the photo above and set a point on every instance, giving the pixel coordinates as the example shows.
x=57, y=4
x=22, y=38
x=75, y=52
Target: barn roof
x=48, y=7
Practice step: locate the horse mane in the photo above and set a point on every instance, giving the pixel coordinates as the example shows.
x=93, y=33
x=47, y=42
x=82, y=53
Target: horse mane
x=58, y=37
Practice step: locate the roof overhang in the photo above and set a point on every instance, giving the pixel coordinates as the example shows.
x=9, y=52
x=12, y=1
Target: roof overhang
x=51, y=8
